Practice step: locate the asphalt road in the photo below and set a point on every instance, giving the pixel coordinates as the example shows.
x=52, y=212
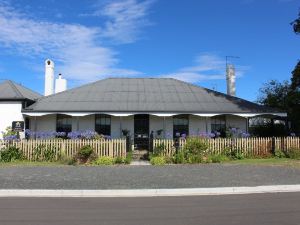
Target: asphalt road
x=141, y=177
x=281, y=209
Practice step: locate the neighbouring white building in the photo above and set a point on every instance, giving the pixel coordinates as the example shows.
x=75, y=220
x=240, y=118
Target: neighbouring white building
x=165, y=106
x=13, y=98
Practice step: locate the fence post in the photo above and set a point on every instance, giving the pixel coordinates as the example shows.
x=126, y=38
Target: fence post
x=128, y=143
x=176, y=145
x=151, y=142
x=273, y=146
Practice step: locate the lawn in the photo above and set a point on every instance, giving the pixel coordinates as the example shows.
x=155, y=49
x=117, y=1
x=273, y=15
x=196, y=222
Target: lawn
x=28, y=163
x=264, y=162
x=268, y=162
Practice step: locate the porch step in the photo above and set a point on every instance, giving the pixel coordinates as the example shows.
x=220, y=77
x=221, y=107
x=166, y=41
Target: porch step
x=139, y=155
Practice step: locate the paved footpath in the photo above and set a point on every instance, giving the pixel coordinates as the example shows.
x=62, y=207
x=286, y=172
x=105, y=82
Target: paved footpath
x=261, y=209
x=145, y=177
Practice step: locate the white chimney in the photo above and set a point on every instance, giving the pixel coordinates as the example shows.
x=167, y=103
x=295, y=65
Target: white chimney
x=230, y=78
x=60, y=84
x=49, y=77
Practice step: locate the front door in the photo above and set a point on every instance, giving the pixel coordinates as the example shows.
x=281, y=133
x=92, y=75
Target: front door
x=141, y=132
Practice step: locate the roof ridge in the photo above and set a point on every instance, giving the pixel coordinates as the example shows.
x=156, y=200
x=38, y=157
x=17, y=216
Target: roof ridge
x=28, y=89
x=13, y=86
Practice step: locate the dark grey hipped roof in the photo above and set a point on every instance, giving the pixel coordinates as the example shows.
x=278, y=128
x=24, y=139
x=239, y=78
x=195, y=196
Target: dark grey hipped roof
x=144, y=95
x=12, y=91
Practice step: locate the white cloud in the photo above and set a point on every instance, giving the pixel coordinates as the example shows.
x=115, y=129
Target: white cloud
x=125, y=18
x=207, y=66
x=76, y=48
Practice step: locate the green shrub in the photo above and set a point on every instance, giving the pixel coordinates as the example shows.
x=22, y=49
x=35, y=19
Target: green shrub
x=192, y=159
x=218, y=158
x=169, y=160
x=104, y=160
x=120, y=160
x=85, y=154
x=194, y=151
x=85, y=151
x=159, y=150
x=44, y=153
x=179, y=157
x=195, y=146
x=293, y=153
x=236, y=154
x=128, y=158
x=279, y=153
x=158, y=160
x=11, y=154
x=8, y=132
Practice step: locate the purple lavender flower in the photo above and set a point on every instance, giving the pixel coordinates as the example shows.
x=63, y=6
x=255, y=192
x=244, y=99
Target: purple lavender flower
x=211, y=135
x=10, y=138
x=168, y=135
x=233, y=129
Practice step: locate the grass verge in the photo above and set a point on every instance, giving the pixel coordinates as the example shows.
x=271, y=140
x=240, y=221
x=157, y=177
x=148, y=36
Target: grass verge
x=268, y=162
x=29, y=163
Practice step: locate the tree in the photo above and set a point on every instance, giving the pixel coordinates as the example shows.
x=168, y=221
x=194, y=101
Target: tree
x=296, y=24
x=294, y=99
x=274, y=94
x=285, y=96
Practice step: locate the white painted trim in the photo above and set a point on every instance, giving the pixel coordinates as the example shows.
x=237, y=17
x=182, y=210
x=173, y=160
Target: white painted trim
x=37, y=114
x=119, y=114
x=246, y=115
x=149, y=192
x=78, y=114
x=164, y=114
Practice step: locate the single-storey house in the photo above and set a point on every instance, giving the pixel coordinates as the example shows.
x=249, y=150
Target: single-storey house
x=165, y=106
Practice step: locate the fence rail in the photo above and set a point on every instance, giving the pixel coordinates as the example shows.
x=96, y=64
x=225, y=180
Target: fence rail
x=247, y=146
x=69, y=148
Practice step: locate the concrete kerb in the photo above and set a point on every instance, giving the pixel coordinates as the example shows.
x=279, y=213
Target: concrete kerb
x=149, y=192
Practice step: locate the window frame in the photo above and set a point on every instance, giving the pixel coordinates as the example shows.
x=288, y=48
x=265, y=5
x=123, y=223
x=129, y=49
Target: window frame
x=105, y=128
x=218, y=123
x=65, y=127
x=181, y=124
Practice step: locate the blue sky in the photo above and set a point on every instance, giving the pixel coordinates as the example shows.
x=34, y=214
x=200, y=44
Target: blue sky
x=188, y=40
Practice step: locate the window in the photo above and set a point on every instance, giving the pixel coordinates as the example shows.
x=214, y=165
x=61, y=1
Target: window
x=218, y=123
x=63, y=123
x=180, y=125
x=102, y=124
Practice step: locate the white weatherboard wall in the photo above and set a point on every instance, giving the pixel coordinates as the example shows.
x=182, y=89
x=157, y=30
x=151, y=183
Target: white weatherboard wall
x=43, y=123
x=198, y=124
x=82, y=123
x=9, y=112
x=157, y=123
x=236, y=122
x=127, y=123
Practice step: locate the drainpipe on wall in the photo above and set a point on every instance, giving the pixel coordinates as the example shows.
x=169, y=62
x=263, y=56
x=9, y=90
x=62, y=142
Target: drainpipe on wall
x=206, y=125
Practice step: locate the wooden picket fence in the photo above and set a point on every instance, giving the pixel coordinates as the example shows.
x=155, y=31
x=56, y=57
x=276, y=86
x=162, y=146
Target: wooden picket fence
x=247, y=146
x=69, y=148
